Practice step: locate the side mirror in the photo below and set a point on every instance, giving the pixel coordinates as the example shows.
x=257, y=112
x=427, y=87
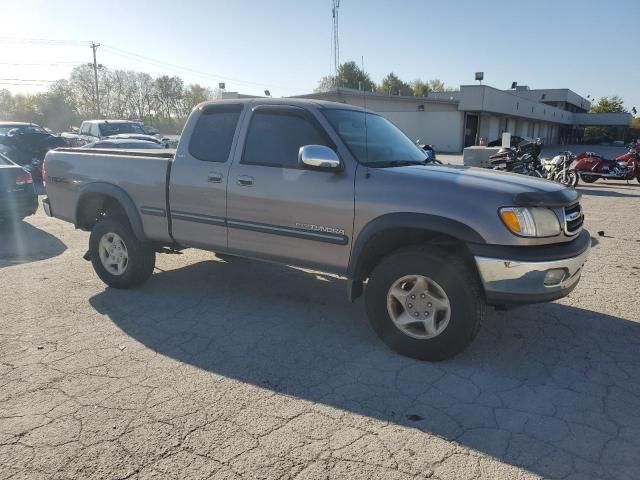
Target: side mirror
x=319, y=157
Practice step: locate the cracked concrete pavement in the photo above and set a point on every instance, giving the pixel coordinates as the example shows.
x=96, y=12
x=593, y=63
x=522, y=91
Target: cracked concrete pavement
x=239, y=369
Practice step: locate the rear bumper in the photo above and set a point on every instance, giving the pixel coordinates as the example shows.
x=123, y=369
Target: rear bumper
x=46, y=205
x=19, y=207
x=510, y=280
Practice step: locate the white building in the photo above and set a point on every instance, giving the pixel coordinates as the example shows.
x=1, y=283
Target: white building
x=480, y=113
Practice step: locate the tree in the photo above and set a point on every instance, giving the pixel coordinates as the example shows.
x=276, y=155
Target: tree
x=420, y=88
x=437, y=85
x=193, y=95
x=392, y=85
x=349, y=76
x=168, y=92
x=613, y=104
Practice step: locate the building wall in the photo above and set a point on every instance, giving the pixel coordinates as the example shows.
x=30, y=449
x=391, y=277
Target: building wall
x=442, y=129
x=482, y=98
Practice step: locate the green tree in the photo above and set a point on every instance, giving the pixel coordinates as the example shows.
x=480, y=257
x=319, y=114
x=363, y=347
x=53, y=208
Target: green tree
x=349, y=76
x=392, y=85
x=420, y=88
x=613, y=104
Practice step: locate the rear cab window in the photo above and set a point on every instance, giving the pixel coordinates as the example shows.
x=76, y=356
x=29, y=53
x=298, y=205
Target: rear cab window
x=213, y=134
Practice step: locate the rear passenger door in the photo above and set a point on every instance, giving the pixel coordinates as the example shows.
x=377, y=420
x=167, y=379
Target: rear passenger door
x=198, y=182
x=280, y=211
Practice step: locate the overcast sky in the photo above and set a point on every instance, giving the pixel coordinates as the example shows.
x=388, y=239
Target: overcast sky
x=590, y=47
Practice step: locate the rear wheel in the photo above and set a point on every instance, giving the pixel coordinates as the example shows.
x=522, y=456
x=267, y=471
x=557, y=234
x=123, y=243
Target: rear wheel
x=424, y=303
x=588, y=178
x=118, y=257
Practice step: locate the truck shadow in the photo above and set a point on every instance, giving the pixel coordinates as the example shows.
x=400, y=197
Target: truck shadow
x=550, y=388
x=21, y=242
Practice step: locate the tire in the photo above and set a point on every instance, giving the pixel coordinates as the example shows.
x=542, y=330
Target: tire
x=454, y=278
x=570, y=180
x=588, y=179
x=141, y=258
x=576, y=178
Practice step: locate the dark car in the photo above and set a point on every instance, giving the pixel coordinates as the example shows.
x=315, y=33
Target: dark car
x=27, y=143
x=125, y=143
x=18, y=197
x=515, y=141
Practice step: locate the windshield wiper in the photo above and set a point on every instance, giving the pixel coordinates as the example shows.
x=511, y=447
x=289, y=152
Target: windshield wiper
x=394, y=163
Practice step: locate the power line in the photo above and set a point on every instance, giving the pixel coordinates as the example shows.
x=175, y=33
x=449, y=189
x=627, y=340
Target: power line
x=41, y=64
x=26, y=80
x=43, y=41
x=162, y=63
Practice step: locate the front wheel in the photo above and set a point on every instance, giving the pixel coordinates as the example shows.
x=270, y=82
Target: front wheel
x=569, y=179
x=118, y=257
x=424, y=303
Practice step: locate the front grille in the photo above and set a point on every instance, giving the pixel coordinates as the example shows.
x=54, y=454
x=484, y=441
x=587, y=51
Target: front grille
x=573, y=219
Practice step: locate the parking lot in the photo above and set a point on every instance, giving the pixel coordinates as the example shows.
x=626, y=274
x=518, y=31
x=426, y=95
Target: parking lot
x=239, y=369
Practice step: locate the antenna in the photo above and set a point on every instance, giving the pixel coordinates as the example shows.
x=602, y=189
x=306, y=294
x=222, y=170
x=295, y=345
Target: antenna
x=366, y=138
x=335, y=11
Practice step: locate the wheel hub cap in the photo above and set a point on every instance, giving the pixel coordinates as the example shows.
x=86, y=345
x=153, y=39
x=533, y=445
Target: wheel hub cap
x=113, y=253
x=418, y=306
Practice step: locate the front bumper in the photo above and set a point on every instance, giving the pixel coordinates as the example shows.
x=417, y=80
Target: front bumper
x=522, y=280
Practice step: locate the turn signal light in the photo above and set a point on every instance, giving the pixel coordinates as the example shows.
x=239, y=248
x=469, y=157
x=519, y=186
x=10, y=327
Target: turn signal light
x=511, y=220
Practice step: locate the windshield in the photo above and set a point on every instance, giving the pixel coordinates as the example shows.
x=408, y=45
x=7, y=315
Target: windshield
x=380, y=144
x=108, y=129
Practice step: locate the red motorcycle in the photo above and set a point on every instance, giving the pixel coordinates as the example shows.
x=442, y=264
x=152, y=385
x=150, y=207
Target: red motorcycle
x=591, y=166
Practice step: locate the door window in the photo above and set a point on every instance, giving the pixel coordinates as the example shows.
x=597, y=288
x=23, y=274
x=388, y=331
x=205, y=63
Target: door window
x=213, y=134
x=274, y=138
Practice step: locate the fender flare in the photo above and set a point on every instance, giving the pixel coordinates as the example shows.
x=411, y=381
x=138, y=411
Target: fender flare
x=121, y=196
x=421, y=221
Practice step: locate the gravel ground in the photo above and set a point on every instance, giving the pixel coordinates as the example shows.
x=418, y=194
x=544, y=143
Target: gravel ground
x=241, y=369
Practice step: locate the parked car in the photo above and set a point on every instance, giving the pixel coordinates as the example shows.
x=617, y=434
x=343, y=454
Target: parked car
x=125, y=143
x=18, y=197
x=27, y=143
x=149, y=130
x=515, y=141
x=93, y=130
x=335, y=188
x=136, y=136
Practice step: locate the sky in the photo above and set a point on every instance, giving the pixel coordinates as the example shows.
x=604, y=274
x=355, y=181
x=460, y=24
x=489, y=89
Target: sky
x=591, y=47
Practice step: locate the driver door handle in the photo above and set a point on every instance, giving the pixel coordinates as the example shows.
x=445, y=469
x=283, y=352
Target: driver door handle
x=214, y=177
x=245, y=180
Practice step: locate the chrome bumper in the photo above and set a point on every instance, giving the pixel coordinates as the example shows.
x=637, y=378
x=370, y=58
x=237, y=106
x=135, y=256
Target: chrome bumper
x=514, y=281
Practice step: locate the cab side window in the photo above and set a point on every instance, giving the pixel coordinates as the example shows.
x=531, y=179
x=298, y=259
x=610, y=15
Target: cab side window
x=274, y=138
x=213, y=134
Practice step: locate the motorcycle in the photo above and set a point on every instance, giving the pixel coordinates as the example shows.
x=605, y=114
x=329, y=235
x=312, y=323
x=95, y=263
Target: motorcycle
x=558, y=169
x=430, y=152
x=516, y=160
x=591, y=166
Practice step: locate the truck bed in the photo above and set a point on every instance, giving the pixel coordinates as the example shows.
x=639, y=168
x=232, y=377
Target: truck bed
x=141, y=174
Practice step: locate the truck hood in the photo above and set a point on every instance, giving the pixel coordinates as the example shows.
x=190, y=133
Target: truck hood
x=524, y=190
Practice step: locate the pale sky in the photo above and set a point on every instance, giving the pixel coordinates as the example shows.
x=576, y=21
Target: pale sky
x=590, y=47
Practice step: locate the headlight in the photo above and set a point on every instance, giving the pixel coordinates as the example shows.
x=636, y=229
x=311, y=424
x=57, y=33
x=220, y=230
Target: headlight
x=531, y=222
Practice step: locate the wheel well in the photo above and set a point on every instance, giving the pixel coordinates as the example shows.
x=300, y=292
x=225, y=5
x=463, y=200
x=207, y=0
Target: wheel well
x=387, y=241
x=95, y=206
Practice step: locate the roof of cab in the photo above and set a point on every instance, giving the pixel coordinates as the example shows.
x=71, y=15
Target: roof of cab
x=294, y=102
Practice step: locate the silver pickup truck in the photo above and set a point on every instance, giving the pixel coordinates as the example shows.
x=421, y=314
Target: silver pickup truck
x=334, y=188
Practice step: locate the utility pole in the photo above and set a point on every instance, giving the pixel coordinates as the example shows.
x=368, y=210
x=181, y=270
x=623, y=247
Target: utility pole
x=336, y=37
x=94, y=47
